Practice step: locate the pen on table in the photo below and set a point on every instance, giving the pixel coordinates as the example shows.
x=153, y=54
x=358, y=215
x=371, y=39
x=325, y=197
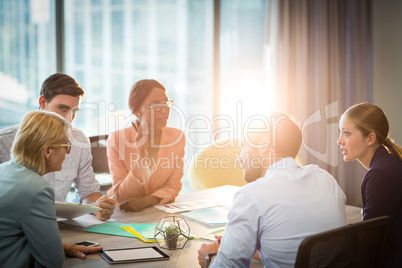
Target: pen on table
x=100, y=201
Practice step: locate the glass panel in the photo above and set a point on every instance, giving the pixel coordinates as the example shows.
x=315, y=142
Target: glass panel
x=244, y=57
x=27, y=55
x=110, y=45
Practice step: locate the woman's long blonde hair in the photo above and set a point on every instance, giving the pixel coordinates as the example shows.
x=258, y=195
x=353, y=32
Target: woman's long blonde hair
x=36, y=130
x=370, y=118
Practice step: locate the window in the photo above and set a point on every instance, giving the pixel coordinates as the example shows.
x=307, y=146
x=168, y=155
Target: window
x=110, y=45
x=245, y=67
x=27, y=55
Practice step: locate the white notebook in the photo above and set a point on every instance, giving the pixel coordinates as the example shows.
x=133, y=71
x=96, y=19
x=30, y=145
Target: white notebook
x=73, y=210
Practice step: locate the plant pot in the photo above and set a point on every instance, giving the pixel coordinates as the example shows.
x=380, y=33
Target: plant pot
x=171, y=241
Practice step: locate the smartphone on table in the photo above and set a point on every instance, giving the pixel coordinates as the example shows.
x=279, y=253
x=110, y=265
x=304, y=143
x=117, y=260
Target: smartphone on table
x=87, y=243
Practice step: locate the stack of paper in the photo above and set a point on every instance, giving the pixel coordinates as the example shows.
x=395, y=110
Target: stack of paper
x=187, y=206
x=211, y=235
x=73, y=210
x=142, y=231
x=211, y=216
x=110, y=228
x=84, y=221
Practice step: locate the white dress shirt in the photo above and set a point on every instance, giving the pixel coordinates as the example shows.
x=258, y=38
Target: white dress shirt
x=276, y=212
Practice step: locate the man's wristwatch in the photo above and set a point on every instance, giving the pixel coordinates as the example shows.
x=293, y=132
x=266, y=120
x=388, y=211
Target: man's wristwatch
x=208, y=259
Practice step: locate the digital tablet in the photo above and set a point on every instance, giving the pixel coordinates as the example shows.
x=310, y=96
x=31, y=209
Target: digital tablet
x=140, y=254
x=73, y=210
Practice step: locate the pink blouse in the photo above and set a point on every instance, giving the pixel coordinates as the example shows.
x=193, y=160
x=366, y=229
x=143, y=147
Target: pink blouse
x=165, y=181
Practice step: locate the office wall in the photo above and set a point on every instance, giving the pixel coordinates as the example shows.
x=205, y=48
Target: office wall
x=387, y=62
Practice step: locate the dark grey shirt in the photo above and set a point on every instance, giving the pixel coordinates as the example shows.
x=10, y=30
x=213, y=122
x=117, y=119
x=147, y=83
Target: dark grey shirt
x=6, y=141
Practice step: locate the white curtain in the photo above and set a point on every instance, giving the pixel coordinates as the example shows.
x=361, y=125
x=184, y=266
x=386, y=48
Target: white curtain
x=322, y=65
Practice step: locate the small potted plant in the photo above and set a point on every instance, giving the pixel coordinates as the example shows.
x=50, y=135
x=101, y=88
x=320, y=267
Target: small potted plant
x=172, y=234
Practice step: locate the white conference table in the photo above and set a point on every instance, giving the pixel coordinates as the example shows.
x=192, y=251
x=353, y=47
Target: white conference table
x=186, y=257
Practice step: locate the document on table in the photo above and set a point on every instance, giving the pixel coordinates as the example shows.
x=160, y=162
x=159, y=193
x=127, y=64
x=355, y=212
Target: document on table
x=187, y=206
x=110, y=228
x=143, y=231
x=73, y=210
x=84, y=221
x=212, y=216
x=211, y=235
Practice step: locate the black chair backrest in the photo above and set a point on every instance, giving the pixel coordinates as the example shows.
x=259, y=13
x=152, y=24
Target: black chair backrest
x=356, y=245
x=99, y=154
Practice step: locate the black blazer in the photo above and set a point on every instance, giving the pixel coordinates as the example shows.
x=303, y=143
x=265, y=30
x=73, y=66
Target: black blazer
x=381, y=191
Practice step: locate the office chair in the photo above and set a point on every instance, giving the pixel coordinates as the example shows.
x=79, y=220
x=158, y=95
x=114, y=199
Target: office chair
x=99, y=161
x=356, y=245
x=216, y=166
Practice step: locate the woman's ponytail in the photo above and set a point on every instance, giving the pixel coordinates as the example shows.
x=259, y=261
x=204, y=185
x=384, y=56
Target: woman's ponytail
x=393, y=147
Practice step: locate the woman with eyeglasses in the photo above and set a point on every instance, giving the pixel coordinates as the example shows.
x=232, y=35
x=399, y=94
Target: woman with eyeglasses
x=364, y=137
x=146, y=159
x=29, y=235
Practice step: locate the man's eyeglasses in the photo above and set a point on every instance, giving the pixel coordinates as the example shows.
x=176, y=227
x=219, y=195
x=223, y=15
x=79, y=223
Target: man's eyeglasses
x=157, y=107
x=68, y=146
